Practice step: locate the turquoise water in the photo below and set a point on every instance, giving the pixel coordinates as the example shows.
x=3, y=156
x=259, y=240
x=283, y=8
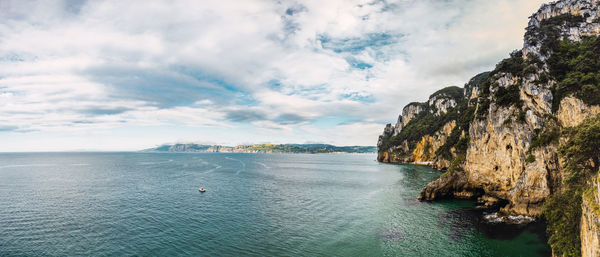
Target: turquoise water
x=116, y=204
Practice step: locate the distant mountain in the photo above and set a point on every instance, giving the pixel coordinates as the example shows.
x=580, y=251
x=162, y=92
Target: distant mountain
x=264, y=148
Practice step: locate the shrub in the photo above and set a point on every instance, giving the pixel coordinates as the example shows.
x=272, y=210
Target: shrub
x=549, y=135
x=530, y=69
x=582, y=151
x=456, y=164
x=509, y=96
x=530, y=158
x=562, y=212
x=576, y=68
x=522, y=116
x=453, y=92
x=514, y=64
x=483, y=108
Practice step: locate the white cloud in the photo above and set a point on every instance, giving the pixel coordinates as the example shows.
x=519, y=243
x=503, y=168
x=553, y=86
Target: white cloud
x=246, y=67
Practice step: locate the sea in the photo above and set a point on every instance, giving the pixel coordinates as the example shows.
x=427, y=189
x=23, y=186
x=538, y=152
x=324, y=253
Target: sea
x=149, y=204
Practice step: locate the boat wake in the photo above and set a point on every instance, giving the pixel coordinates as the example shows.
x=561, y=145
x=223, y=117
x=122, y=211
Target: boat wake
x=154, y=163
x=80, y=164
x=243, y=165
x=213, y=169
x=26, y=165
x=262, y=164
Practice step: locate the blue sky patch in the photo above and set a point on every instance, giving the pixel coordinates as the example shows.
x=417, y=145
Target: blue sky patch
x=332, y=121
x=358, y=64
x=356, y=96
x=356, y=45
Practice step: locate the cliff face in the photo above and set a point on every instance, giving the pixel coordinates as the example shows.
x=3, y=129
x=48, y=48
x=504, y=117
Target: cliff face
x=425, y=149
x=503, y=146
x=422, y=129
x=587, y=9
x=408, y=113
x=496, y=160
x=590, y=221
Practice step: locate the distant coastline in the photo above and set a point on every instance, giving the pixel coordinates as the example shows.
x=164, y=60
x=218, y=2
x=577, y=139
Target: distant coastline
x=264, y=148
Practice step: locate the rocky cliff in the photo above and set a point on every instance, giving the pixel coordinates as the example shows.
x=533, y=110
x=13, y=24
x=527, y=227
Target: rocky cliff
x=423, y=129
x=500, y=141
x=590, y=221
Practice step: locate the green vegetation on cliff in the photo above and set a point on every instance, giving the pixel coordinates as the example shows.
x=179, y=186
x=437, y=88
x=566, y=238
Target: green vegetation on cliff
x=425, y=123
x=573, y=65
x=563, y=213
x=513, y=65
x=451, y=92
x=428, y=121
x=576, y=68
x=549, y=34
x=466, y=113
x=490, y=90
x=581, y=157
x=582, y=150
x=548, y=134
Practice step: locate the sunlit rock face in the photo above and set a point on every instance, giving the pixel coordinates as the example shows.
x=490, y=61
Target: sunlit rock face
x=421, y=151
x=573, y=111
x=424, y=152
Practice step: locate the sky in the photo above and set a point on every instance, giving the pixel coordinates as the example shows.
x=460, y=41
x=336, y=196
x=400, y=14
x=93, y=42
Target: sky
x=128, y=75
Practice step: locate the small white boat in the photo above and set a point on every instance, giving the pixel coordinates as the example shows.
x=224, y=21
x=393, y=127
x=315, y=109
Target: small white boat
x=202, y=190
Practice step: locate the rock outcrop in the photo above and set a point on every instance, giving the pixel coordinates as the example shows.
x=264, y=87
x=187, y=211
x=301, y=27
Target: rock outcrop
x=425, y=149
x=419, y=142
x=502, y=148
x=408, y=113
x=588, y=10
x=573, y=111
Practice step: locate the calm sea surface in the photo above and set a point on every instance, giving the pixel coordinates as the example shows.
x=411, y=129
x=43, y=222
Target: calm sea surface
x=116, y=204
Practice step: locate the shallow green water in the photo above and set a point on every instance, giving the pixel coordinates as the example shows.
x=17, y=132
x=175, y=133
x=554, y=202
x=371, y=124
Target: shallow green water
x=107, y=204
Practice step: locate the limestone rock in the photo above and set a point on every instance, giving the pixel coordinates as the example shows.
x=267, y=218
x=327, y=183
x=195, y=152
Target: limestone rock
x=590, y=222
x=587, y=8
x=408, y=113
x=573, y=111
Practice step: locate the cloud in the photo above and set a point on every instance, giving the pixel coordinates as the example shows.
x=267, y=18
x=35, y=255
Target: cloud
x=104, y=111
x=290, y=118
x=291, y=71
x=8, y=128
x=245, y=115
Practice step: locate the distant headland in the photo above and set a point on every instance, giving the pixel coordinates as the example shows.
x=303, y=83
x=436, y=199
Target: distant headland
x=263, y=148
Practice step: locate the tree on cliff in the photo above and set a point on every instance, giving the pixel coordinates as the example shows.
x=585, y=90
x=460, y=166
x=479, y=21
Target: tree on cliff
x=562, y=211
